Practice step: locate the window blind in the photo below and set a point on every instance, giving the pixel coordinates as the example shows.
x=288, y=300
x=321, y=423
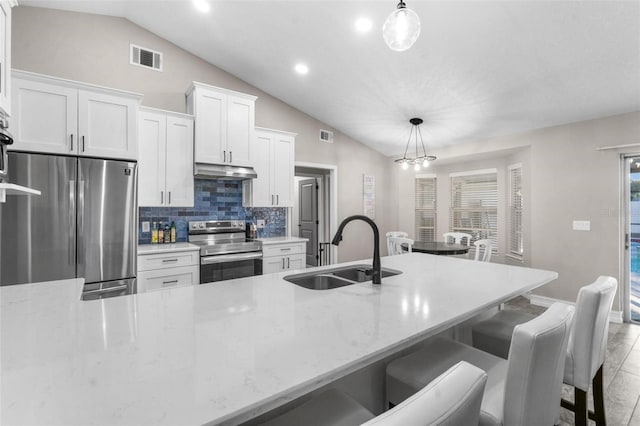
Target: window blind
x=425, y=209
x=474, y=205
x=516, y=245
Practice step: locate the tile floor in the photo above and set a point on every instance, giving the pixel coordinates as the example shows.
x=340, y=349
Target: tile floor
x=621, y=373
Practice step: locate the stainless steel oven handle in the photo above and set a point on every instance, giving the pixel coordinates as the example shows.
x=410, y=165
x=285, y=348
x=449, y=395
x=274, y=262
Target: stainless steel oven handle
x=230, y=258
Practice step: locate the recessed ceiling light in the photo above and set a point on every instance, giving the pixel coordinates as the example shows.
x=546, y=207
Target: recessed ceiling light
x=202, y=5
x=301, y=69
x=363, y=25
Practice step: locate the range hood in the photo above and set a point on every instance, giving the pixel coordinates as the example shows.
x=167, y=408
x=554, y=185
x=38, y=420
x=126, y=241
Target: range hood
x=220, y=171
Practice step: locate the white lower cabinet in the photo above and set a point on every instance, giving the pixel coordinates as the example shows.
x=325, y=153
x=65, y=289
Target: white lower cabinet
x=283, y=256
x=157, y=271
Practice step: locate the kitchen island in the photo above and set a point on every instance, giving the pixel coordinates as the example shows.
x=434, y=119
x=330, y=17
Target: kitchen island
x=228, y=351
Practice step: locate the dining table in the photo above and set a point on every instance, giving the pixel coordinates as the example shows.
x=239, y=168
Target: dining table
x=438, y=248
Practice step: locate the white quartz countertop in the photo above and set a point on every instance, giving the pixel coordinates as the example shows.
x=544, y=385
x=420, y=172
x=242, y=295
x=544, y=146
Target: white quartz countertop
x=166, y=248
x=227, y=351
x=281, y=240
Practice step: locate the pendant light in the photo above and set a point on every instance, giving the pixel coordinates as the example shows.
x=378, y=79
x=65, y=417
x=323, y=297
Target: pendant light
x=418, y=160
x=401, y=29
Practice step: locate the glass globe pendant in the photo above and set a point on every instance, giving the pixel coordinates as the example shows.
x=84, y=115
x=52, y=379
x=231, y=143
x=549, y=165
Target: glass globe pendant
x=401, y=29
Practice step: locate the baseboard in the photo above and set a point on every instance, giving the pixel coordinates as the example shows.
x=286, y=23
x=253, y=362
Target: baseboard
x=614, y=316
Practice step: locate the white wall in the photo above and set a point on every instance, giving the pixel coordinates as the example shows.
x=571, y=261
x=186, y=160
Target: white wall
x=95, y=49
x=565, y=178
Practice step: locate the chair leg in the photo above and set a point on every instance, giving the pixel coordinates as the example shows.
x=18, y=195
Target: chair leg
x=598, y=399
x=580, y=407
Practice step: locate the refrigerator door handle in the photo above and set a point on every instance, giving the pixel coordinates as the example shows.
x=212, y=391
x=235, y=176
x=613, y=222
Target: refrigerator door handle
x=80, y=219
x=71, y=143
x=81, y=205
x=72, y=215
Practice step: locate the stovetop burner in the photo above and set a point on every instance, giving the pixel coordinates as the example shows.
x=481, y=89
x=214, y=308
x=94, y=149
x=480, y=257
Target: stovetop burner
x=221, y=237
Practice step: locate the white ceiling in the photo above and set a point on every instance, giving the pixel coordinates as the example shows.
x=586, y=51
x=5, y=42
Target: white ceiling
x=480, y=69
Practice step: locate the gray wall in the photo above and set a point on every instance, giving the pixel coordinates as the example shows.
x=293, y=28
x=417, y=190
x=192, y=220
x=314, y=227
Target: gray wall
x=95, y=49
x=565, y=178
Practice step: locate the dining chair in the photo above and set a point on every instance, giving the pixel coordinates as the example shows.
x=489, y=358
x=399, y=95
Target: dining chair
x=587, y=345
x=453, y=398
x=523, y=390
x=396, y=243
x=483, y=250
x=457, y=237
x=394, y=234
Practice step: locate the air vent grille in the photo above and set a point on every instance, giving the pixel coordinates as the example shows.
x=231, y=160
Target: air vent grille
x=146, y=58
x=326, y=136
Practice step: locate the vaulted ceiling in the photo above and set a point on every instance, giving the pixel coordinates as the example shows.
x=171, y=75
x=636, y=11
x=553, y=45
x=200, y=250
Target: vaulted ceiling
x=479, y=69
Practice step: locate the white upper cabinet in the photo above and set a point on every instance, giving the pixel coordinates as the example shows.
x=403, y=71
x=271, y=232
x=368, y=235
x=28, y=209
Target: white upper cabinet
x=5, y=55
x=273, y=155
x=63, y=117
x=165, y=164
x=224, y=124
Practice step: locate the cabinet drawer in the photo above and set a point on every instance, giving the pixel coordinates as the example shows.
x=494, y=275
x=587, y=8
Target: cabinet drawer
x=150, y=262
x=283, y=249
x=168, y=278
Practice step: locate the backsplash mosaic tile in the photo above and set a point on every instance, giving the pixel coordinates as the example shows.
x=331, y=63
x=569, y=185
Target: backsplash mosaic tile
x=214, y=200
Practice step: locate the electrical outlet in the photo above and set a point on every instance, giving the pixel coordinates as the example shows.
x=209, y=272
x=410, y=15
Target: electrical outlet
x=260, y=223
x=582, y=225
x=145, y=227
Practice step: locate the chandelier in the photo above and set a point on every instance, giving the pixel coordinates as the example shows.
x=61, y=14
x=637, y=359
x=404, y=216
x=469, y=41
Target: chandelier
x=401, y=29
x=418, y=160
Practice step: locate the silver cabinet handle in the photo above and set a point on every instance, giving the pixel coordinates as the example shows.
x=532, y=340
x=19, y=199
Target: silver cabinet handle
x=272, y=199
x=288, y=263
x=285, y=249
x=169, y=260
x=224, y=156
x=161, y=197
x=277, y=199
x=83, y=143
x=71, y=142
x=283, y=263
x=169, y=197
x=231, y=156
x=170, y=282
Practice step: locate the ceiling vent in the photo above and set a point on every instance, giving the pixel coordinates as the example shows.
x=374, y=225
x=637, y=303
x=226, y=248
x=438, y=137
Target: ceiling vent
x=326, y=136
x=146, y=58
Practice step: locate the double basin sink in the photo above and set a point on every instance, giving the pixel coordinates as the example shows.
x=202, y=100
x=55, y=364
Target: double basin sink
x=337, y=277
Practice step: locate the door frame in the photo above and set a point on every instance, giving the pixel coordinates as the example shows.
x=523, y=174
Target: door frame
x=625, y=233
x=333, y=201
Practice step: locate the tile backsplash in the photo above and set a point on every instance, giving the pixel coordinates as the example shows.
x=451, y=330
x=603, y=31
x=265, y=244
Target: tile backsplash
x=214, y=200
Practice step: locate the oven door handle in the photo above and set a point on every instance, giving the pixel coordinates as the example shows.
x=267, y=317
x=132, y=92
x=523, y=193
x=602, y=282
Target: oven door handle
x=230, y=258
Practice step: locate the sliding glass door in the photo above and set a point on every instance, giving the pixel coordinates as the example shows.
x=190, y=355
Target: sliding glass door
x=631, y=197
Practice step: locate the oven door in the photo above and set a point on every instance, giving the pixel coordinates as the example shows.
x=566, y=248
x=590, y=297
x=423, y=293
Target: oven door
x=230, y=266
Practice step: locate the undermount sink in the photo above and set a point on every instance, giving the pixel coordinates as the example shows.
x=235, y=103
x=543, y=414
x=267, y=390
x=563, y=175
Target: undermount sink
x=337, y=277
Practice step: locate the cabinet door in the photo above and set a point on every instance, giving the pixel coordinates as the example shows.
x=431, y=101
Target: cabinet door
x=210, y=128
x=262, y=196
x=5, y=57
x=283, y=170
x=273, y=264
x=152, y=160
x=240, y=130
x=296, y=261
x=46, y=117
x=179, y=162
x=107, y=125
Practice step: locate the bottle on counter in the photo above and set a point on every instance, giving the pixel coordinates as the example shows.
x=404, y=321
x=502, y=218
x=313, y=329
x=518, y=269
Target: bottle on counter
x=154, y=234
x=160, y=233
x=167, y=233
x=173, y=232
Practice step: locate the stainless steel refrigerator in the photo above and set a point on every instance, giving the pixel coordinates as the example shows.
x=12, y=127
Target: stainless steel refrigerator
x=84, y=225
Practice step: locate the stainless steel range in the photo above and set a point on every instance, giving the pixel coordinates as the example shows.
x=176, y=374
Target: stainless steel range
x=225, y=252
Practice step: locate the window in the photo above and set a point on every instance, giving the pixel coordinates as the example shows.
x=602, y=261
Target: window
x=474, y=204
x=426, y=208
x=516, y=246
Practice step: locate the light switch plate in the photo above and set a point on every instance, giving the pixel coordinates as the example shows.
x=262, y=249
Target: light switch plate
x=260, y=223
x=145, y=227
x=582, y=225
